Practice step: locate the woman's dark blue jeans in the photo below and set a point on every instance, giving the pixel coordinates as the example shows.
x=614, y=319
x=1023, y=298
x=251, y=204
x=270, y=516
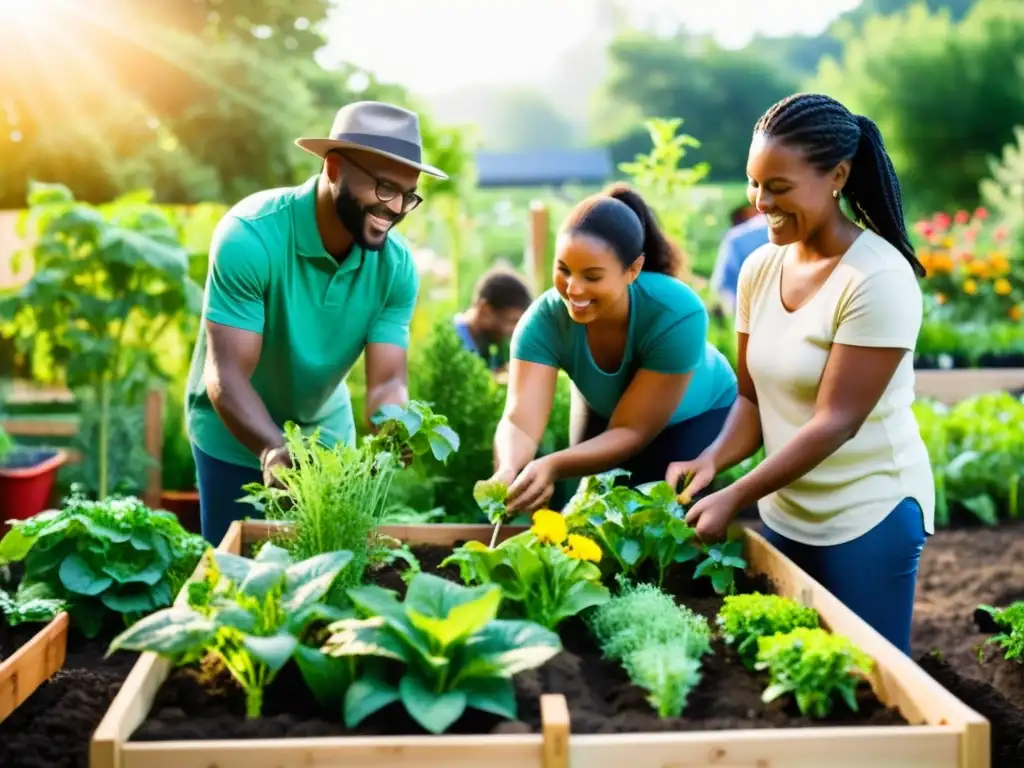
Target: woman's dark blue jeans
x=220, y=488
x=874, y=575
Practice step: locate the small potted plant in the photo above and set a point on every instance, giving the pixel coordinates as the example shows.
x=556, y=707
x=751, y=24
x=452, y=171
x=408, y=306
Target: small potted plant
x=27, y=476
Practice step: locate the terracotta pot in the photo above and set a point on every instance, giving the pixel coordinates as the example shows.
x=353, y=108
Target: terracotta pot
x=185, y=506
x=26, y=481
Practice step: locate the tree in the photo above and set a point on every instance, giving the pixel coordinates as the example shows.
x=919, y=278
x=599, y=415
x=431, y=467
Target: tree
x=946, y=95
x=719, y=93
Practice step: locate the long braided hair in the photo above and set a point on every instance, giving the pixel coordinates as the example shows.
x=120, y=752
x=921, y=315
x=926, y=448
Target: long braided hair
x=829, y=133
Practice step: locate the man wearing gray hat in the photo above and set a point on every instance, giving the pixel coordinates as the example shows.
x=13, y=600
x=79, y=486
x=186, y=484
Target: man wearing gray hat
x=302, y=281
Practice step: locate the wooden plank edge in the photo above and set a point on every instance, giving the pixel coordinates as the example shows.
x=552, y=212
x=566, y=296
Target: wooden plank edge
x=897, y=679
x=555, y=729
x=46, y=651
x=920, y=746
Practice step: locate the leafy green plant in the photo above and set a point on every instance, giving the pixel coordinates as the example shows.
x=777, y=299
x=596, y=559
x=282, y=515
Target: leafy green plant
x=415, y=427
x=549, y=573
x=660, y=644
x=439, y=652
x=722, y=560
x=814, y=667
x=28, y=609
x=251, y=614
x=100, y=558
x=667, y=674
x=635, y=526
x=108, y=283
x=743, y=619
x=334, y=497
x=1011, y=640
x=490, y=496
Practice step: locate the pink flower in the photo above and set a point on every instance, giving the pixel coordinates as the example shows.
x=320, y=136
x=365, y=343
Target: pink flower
x=981, y=214
x=962, y=217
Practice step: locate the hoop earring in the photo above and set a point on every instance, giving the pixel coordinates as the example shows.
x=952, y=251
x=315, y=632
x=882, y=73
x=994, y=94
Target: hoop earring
x=835, y=194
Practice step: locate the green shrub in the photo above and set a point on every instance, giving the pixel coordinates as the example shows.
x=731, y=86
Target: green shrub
x=743, y=619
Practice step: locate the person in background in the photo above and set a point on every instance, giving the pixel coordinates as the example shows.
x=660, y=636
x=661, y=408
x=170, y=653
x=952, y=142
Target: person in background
x=749, y=232
x=499, y=300
x=827, y=320
x=302, y=281
x=647, y=386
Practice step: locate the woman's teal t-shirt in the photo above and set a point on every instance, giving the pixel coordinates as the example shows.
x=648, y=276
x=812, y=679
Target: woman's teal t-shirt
x=668, y=326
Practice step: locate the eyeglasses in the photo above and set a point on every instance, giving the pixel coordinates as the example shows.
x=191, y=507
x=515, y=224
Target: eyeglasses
x=386, y=191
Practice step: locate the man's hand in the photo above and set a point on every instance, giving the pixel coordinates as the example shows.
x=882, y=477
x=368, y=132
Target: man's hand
x=270, y=461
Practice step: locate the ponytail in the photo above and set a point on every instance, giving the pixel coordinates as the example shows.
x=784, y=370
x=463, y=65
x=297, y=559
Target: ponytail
x=661, y=255
x=873, y=192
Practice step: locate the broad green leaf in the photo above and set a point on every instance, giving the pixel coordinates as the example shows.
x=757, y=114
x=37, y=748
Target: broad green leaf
x=721, y=581
x=15, y=545
x=47, y=193
x=496, y=695
x=328, y=677
x=169, y=632
x=507, y=647
x=78, y=576
x=262, y=578
x=376, y=601
x=435, y=597
x=462, y=620
x=308, y=581
x=443, y=442
x=630, y=551
x=582, y=595
x=230, y=614
x=234, y=568
x=274, y=651
x=271, y=553
x=364, y=637
x=368, y=695
x=434, y=711
x=128, y=602
x=127, y=573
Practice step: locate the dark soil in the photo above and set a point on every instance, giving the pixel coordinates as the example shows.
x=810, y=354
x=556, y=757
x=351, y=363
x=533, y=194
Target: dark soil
x=960, y=570
x=206, y=704
x=53, y=728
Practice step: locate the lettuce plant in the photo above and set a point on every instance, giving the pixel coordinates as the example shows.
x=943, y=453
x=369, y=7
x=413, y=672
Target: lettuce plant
x=550, y=573
x=99, y=558
x=414, y=427
x=490, y=496
x=815, y=667
x=1011, y=639
x=439, y=652
x=252, y=614
x=743, y=619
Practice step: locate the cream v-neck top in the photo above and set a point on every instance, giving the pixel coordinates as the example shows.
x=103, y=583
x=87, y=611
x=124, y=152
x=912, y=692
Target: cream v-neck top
x=871, y=299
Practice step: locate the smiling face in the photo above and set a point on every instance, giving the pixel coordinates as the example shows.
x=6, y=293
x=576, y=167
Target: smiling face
x=371, y=194
x=590, y=278
x=795, y=196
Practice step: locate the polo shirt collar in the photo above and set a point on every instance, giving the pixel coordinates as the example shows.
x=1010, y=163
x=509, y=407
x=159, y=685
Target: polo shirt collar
x=307, y=233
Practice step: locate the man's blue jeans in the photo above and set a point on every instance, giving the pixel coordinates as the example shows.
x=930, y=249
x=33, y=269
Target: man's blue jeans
x=220, y=487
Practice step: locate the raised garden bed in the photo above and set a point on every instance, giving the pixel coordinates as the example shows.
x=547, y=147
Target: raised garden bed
x=960, y=570
x=30, y=654
x=158, y=717
x=958, y=384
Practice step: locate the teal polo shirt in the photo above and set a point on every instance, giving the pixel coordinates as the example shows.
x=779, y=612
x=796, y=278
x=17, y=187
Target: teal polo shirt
x=668, y=328
x=270, y=274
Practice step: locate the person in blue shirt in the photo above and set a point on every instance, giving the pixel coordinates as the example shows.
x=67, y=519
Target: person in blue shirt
x=499, y=300
x=648, y=388
x=748, y=233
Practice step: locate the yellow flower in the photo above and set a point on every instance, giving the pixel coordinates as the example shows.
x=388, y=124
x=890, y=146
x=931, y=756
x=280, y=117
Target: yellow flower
x=1016, y=312
x=1002, y=286
x=978, y=268
x=970, y=287
x=549, y=527
x=999, y=263
x=940, y=298
x=582, y=548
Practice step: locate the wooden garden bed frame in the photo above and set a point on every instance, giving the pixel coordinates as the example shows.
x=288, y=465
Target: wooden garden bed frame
x=33, y=664
x=944, y=732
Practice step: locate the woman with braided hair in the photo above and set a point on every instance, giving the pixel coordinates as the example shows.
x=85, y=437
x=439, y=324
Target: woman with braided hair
x=828, y=313
x=647, y=386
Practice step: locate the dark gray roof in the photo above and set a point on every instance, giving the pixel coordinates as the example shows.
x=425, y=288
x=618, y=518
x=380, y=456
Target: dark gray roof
x=550, y=167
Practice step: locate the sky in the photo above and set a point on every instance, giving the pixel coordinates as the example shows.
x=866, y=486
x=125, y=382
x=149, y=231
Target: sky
x=517, y=41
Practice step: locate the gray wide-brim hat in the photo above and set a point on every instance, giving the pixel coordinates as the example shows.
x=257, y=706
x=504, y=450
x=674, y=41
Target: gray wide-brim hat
x=372, y=126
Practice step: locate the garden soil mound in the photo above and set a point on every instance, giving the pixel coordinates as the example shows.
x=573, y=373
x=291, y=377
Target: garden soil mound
x=960, y=570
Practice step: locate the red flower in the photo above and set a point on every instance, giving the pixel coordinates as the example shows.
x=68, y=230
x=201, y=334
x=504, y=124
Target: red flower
x=941, y=221
x=962, y=217
x=981, y=214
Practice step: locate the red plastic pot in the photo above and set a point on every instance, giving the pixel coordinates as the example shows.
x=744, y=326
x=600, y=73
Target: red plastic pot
x=26, y=481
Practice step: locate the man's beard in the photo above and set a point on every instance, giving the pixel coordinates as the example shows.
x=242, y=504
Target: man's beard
x=353, y=217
